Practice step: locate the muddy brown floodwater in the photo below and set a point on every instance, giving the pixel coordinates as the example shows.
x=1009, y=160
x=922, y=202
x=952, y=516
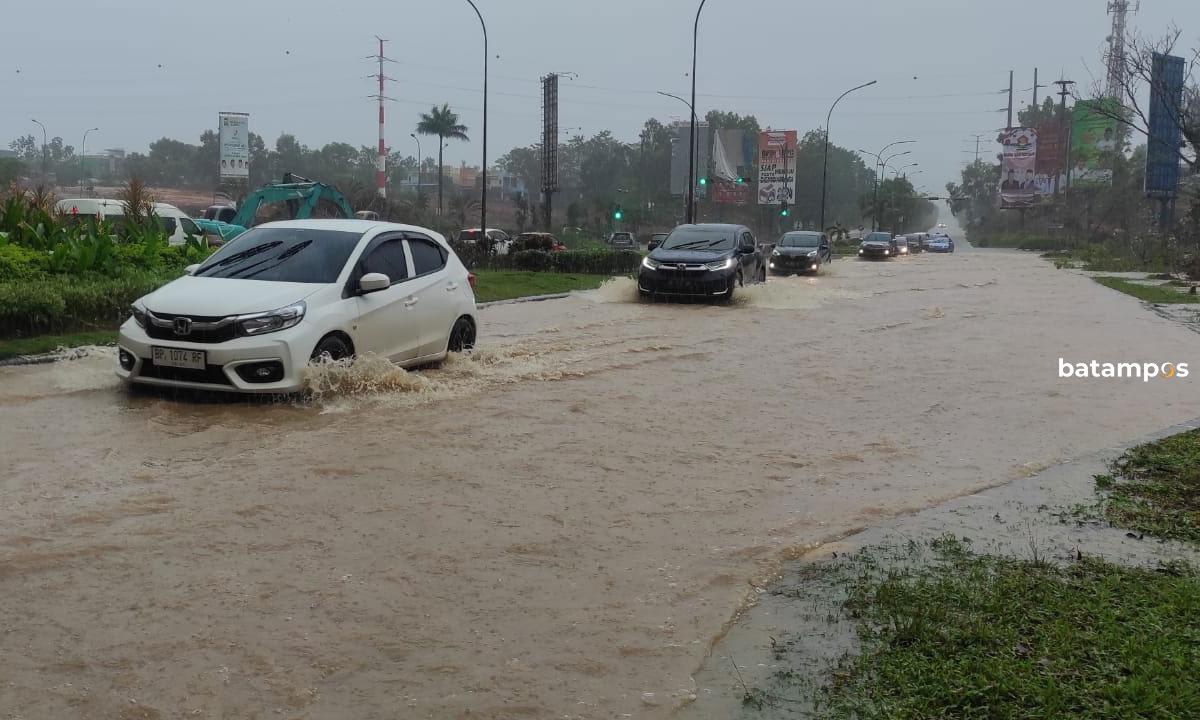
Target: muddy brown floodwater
x=560, y=525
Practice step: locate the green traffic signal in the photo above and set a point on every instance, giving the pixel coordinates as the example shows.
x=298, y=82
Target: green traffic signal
x=617, y=214
x=703, y=181
x=783, y=210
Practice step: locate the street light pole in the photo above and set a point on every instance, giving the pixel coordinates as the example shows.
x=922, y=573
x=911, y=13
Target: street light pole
x=692, y=110
x=45, y=174
x=878, y=169
x=82, y=155
x=420, y=163
x=825, y=166
x=691, y=208
x=883, y=169
x=483, y=202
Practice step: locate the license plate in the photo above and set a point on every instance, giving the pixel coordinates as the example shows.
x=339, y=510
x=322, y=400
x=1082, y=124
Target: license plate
x=173, y=357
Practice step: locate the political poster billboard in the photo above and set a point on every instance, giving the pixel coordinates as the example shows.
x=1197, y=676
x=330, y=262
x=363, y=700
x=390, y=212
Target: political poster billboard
x=1093, y=141
x=1165, y=126
x=235, y=145
x=776, y=167
x=1018, y=167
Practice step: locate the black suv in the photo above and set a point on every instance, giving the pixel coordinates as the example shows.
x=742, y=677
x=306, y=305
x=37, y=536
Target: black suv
x=708, y=260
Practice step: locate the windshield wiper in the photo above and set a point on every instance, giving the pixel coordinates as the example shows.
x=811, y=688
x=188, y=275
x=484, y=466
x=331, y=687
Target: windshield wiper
x=237, y=257
x=694, y=243
x=293, y=250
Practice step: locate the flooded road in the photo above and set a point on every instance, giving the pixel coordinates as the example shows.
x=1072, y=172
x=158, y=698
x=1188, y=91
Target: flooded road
x=560, y=525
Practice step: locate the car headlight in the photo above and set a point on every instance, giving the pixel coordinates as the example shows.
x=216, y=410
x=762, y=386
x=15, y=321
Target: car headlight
x=650, y=263
x=273, y=321
x=813, y=253
x=775, y=252
x=720, y=264
x=139, y=315
x=887, y=252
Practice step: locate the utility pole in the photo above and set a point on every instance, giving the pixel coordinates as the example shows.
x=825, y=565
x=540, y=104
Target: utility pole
x=549, y=146
x=1064, y=132
x=1010, y=99
x=381, y=158
x=1036, y=87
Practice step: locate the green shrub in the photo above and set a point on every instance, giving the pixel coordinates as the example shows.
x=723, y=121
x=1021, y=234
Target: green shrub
x=18, y=263
x=538, y=260
x=65, y=304
x=584, y=262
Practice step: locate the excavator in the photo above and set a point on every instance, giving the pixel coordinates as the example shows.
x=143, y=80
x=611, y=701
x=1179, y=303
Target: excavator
x=299, y=198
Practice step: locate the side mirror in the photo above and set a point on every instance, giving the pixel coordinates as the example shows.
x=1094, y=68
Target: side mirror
x=374, y=282
x=746, y=249
x=652, y=245
x=191, y=269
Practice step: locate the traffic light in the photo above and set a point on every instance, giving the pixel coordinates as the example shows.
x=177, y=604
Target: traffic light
x=783, y=209
x=618, y=214
x=740, y=180
x=703, y=181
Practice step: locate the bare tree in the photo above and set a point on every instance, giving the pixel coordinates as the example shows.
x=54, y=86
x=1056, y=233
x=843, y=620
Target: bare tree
x=1130, y=108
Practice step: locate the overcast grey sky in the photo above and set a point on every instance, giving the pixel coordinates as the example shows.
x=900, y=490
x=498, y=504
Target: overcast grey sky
x=143, y=69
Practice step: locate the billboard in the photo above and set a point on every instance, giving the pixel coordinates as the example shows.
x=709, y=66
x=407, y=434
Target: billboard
x=679, y=157
x=1051, y=153
x=235, y=145
x=733, y=161
x=776, y=167
x=1165, y=126
x=1018, y=167
x=1093, y=140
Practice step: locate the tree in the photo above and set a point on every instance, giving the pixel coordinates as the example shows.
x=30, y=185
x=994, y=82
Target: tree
x=977, y=193
x=1033, y=116
x=27, y=148
x=11, y=169
x=443, y=123
x=1128, y=109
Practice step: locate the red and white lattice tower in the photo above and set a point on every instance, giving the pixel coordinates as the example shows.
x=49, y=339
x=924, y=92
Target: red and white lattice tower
x=1119, y=9
x=381, y=159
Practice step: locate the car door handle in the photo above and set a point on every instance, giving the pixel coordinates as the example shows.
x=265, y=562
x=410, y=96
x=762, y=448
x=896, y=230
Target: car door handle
x=451, y=287
x=411, y=301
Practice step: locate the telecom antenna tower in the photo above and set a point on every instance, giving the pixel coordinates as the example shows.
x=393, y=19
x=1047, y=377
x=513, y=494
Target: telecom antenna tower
x=1119, y=9
x=381, y=158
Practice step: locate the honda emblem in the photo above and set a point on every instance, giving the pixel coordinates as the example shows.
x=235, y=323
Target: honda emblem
x=183, y=326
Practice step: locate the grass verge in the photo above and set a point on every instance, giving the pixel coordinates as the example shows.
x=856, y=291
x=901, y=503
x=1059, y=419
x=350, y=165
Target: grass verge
x=494, y=285
x=49, y=343
x=988, y=637
x=1168, y=295
x=1155, y=488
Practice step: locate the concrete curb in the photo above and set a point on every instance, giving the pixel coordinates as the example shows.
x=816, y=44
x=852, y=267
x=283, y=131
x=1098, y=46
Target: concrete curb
x=514, y=301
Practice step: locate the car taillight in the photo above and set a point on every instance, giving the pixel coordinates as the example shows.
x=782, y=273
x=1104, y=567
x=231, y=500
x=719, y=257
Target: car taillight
x=471, y=280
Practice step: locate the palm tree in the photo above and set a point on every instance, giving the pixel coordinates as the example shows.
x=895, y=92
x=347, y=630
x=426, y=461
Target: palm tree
x=444, y=123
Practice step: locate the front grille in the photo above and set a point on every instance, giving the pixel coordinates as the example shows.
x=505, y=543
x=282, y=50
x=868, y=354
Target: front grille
x=210, y=375
x=203, y=329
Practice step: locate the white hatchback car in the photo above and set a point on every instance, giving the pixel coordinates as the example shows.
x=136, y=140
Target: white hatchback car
x=253, y=315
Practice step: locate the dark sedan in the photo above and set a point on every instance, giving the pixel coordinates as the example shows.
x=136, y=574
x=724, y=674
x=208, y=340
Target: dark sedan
x=877, y=246
x=708, y=260
x=800, y=252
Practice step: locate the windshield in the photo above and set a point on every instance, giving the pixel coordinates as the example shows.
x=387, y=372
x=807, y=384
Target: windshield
x=700, y=238
x=801, y=240
x=878, y=237
x=284, y=254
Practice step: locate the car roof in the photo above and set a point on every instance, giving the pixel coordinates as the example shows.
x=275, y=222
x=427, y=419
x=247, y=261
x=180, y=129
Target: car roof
x=356, y=226
x=713, y=226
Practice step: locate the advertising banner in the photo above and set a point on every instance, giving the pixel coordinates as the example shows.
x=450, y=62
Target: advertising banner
x=776, y=167
x=1093, y=140
x=1018, y=168
x=1165, y=126
x=733, y=159
x=1051, y=153
x=235, y=145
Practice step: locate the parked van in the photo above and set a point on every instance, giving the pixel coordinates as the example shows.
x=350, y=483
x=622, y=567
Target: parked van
x=176, y=222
